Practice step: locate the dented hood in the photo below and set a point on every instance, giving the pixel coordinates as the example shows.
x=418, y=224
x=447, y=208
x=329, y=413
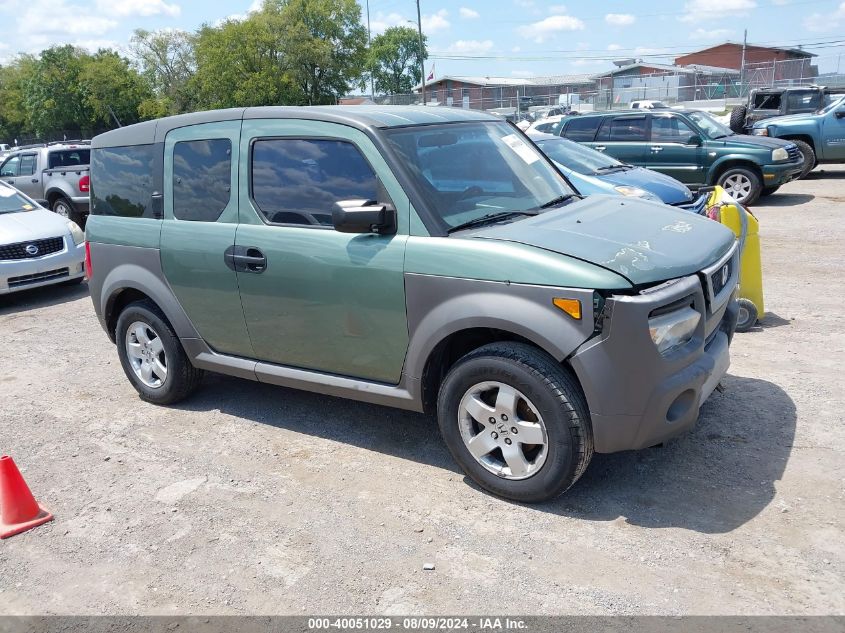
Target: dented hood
x=643, y=241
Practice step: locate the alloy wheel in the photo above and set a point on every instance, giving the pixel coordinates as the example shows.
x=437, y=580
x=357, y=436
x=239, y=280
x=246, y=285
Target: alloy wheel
x=738, y=186
x=145, y=351
x=503, y=430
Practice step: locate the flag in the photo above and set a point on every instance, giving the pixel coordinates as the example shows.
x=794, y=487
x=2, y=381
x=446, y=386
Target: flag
x=430, y=74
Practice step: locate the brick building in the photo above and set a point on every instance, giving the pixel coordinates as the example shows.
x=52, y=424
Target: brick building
x=485, y=93
x=783, y=63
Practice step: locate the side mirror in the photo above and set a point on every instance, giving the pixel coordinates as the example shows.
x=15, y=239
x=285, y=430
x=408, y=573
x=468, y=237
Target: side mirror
x=364, y=216
x=840, y=114
x=695, y=139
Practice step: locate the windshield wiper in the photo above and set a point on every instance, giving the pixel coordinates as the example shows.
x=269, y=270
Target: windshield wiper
x=613, y=168
x=487, y=219
x=556, y=201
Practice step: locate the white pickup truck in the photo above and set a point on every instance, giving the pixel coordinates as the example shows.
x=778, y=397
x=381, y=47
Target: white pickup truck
x=54, y=174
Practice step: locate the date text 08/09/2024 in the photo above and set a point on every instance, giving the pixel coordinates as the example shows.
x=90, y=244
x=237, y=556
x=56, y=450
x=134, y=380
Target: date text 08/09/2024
x=418, y=623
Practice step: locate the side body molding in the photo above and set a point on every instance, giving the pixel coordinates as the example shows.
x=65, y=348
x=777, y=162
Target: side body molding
x=441, y=306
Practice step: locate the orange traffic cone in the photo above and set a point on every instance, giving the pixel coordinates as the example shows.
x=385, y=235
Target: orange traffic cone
x=19, y=511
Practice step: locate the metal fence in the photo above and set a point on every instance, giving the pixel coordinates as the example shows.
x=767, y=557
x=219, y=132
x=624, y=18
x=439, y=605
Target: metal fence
x=687, y=85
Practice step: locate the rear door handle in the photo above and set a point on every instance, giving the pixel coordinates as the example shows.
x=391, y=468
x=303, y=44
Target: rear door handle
x=245, y=259
x=600, y=148
x=656, y=148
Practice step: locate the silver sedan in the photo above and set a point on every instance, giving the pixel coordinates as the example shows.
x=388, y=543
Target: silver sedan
x=37, y=247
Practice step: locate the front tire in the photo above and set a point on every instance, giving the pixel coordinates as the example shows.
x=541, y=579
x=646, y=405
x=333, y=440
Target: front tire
x=742, y=184
x=809, y=157
x=152, y=356
x=516, y=422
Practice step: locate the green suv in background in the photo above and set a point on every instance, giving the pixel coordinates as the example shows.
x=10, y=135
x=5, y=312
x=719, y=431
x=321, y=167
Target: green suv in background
x=423, y=258
x=692, y=147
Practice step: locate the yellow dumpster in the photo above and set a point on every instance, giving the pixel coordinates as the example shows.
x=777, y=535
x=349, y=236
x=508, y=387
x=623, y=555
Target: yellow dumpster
x=722, y=208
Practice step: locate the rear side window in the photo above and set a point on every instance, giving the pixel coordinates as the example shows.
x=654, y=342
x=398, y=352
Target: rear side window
x=582, y=129
x=623, y=129
x=202, y=179
x=298, y=181
x=122, y=181
x=68, y=158
x=27, y=167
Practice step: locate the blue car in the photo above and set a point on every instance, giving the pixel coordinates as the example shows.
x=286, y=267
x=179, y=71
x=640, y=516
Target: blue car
x=592, y=172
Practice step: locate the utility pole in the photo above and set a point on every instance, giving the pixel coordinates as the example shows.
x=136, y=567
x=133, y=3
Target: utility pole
x=422, y=60
x=742, y=63
x=369, y=43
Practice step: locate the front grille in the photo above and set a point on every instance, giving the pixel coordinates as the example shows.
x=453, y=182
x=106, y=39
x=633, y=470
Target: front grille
x=25, y=280
x=794, y=152
x=31, y=249
x=721, y=277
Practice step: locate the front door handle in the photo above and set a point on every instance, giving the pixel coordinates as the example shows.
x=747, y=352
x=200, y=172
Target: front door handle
x=600, y=148
x=245, y=259
x=35, y=181
x=656, y=148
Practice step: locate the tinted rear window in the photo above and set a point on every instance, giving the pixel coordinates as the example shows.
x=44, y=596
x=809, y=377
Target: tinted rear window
x=69, y=158
x=582, y=129
x=202, y=179
x=631, y=128
x=122, y=181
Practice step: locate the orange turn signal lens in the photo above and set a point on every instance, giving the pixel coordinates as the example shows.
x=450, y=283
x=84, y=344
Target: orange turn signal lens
x=572, y=307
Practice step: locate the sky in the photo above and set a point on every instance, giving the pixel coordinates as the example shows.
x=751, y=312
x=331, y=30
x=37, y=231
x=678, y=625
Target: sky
x=503, y=38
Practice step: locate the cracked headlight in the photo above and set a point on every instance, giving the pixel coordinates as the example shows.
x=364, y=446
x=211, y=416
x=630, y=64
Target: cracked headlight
x=670, y=331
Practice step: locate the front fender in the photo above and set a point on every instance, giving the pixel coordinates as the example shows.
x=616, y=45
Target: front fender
x=118, y=268
x=717, y=165
x=441, y=306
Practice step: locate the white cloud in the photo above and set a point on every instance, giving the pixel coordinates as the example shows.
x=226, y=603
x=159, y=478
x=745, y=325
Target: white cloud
x=469, y=14
x=542, y=30
x=470, y=46
x=712, y=34
x=436, y=22
x=620, y=19
x=142, y=8
x=96, y=44
x=557, y=9
x=613, y=47
x=42, y=22
x=825, y=22
x=383, y=21
x=699, y=10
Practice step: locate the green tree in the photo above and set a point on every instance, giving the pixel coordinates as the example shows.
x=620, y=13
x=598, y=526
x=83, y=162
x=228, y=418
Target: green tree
x=394, y=60
x=240, y=63
x=109, y=88
x=51, y=91
x=13, y=120
x=324, y=45
x=166, y=60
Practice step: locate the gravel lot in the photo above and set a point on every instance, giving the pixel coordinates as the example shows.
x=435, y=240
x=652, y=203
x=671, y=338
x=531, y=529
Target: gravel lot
x=251, y=499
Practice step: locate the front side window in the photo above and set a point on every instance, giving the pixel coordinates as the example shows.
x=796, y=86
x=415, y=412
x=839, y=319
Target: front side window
x=670, y=129
x=299, y=181
x=122, y=181
x=623, y=129
x=582, y=129
x=202, y=179
x=10, y=167
x=467, y=170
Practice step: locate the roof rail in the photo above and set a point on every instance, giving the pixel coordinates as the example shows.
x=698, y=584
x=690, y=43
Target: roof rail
x=70, y=142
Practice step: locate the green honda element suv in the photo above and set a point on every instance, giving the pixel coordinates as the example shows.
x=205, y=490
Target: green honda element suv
x=430, y=259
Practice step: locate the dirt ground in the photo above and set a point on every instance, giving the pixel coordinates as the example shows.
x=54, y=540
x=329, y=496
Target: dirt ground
x=252, y=499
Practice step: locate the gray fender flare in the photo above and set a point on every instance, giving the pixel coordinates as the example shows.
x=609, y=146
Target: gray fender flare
x=139, y=269
x=441, y=306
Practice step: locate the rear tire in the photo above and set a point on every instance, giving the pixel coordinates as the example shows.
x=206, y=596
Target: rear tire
x=65, y=208
x=738, y=115
x=809, y=157
x=501, y=387
x=742, y=184
x=152, y=356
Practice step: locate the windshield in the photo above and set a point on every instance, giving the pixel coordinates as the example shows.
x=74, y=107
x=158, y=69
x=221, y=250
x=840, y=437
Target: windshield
x=709, y=124
x=467, y=170
x=578, y=158
x=835, y=101
x=12, y=202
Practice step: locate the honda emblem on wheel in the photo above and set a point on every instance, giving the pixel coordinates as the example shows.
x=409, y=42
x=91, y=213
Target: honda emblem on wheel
x=31, y=249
